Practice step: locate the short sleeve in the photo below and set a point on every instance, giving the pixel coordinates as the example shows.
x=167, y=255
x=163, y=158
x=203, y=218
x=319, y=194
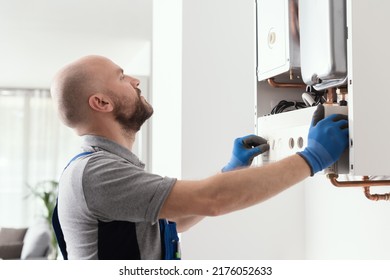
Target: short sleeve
x=116, y=189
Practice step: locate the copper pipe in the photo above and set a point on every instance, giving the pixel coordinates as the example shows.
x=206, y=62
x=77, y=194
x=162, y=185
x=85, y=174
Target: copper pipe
x=375, y=197
x=294, y=18
x=366, y=184
x=275, y=84
x=329, y=96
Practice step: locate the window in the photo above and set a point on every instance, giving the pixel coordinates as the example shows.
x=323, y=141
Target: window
x=34, y=147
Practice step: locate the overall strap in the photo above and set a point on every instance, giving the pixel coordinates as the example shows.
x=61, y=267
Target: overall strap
x=56, y=222
x=76, y=157
x=169, y=240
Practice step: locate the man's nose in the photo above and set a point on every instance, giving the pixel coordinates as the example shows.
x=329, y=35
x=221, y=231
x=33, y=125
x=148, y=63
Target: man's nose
x=134, y=82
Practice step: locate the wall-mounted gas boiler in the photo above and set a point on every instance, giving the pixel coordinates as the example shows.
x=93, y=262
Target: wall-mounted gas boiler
x=333, y=52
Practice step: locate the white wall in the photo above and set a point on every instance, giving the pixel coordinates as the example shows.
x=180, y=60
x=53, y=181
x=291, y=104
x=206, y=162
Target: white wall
x=167, y=88
x=341, y=223
x=37, y=38
x=35, y=65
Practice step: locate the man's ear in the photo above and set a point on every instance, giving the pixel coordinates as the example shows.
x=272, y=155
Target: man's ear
x=100, y=102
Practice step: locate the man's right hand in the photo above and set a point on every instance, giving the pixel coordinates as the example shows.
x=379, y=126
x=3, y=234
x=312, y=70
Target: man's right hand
x=245, y=149
x=327, y=140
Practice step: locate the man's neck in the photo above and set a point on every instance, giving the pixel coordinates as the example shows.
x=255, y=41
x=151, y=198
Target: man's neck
x=126, y=139
x=113, y=133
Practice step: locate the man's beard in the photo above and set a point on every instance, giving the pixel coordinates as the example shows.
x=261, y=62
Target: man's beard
x=133, y=122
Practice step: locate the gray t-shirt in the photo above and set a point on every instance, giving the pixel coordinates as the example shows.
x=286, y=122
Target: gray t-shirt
x=108, y=206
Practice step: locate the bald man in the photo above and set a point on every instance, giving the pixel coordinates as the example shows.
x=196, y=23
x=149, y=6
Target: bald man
x=110, y=208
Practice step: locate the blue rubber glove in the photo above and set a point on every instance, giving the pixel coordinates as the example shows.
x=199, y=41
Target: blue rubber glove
x=327, y=140
x=244, y=150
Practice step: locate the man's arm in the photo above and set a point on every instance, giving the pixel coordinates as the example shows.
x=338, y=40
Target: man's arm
x=235, y=190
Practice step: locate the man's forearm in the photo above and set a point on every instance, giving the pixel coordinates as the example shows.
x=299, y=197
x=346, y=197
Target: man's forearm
x=247, y=187
x=234, y=190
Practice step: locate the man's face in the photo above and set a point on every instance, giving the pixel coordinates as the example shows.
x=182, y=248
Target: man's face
x=131, y=109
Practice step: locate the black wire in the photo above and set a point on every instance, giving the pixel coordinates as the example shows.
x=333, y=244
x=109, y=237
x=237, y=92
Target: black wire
x=285, y=105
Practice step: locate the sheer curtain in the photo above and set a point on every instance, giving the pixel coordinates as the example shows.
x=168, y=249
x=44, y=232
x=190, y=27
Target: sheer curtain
x=34, y=147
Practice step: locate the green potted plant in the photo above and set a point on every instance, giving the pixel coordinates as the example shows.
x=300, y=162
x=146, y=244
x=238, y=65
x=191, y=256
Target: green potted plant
x=46, y=192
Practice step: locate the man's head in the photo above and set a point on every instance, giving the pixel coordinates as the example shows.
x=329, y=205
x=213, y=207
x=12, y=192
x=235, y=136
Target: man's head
x=94, y=91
